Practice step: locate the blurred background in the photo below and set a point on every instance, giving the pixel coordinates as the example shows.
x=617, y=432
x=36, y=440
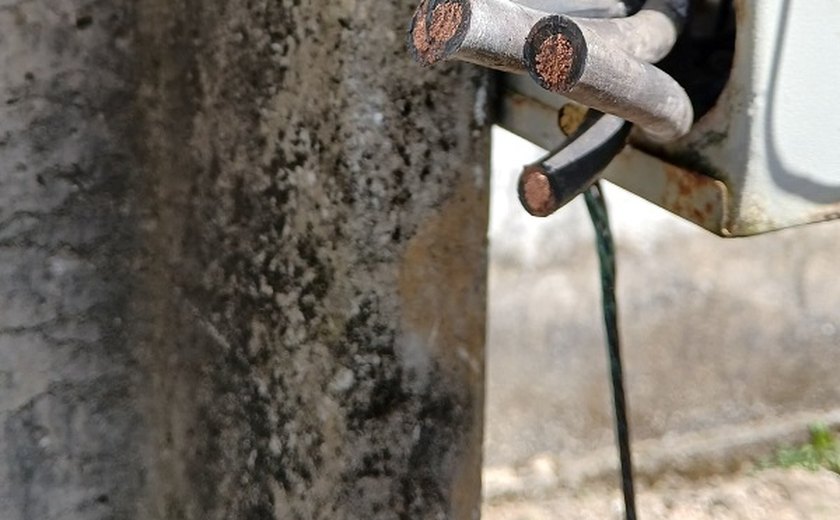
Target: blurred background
x=729, y=339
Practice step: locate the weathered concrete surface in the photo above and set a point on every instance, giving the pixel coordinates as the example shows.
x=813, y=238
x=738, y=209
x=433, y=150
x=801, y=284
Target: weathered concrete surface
x=242, y=263
x=717, y=333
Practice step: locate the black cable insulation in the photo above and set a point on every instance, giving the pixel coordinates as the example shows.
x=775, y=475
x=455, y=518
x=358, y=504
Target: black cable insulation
x=597, y=206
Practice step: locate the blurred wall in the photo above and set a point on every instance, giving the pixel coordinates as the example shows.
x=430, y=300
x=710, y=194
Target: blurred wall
x=716, y=332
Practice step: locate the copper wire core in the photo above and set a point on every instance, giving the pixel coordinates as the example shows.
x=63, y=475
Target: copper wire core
x=537, y=194
x=446, y=18
x=429, y=42
x=419, y=36
x=554, y=61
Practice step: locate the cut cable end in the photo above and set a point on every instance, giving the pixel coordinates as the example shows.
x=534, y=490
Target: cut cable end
x=555, y=52
x=437, y=30
x=535, y=192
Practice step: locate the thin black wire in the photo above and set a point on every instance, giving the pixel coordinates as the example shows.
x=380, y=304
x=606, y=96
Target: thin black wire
x=597, y=206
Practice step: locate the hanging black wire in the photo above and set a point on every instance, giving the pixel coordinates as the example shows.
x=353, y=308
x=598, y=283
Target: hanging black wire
x=597, y=206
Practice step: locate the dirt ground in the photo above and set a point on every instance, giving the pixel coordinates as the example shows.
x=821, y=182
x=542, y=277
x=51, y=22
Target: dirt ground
x=766, y=495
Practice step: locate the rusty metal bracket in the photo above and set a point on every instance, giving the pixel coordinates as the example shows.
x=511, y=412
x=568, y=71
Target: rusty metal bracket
x=531, y=113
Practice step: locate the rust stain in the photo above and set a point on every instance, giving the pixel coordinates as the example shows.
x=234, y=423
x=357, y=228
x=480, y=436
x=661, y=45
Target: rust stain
x=442, y=292
x=830, y=212
x=570, y=117
x=740, y=9
x=442, y=282
x=516, y=99
x=695, y=196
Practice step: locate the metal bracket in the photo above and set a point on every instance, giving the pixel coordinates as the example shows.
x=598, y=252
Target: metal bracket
x=531, y=113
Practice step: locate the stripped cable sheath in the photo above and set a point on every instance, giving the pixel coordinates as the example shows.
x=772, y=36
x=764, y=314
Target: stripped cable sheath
x=491, y=33
x=573, y=59
x=600, y=63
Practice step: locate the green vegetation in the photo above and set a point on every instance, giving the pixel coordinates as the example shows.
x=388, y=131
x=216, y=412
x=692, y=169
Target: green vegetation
x=821, y=451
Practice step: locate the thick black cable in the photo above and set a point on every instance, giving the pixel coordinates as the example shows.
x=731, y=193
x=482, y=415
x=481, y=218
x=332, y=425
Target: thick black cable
x=597, y=206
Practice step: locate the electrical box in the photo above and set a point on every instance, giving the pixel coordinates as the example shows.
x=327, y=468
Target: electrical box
x=764, y=151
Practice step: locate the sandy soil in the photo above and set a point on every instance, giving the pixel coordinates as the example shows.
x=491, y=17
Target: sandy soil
x=766, y=495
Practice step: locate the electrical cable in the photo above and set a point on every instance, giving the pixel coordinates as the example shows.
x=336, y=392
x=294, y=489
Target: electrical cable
x=596, y=203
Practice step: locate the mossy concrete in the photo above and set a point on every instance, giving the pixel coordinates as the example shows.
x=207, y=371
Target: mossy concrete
x=242, y=263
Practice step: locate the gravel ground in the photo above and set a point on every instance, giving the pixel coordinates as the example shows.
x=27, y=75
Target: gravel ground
x=767, y=495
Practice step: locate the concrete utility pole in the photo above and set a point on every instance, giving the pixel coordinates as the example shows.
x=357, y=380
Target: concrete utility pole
x=242, y=263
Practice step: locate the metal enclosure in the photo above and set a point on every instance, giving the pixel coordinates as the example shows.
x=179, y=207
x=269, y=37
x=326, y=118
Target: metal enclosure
x=765, y=156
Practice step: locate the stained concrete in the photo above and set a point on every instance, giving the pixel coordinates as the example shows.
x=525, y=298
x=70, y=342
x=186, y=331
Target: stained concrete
x=229, y=234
